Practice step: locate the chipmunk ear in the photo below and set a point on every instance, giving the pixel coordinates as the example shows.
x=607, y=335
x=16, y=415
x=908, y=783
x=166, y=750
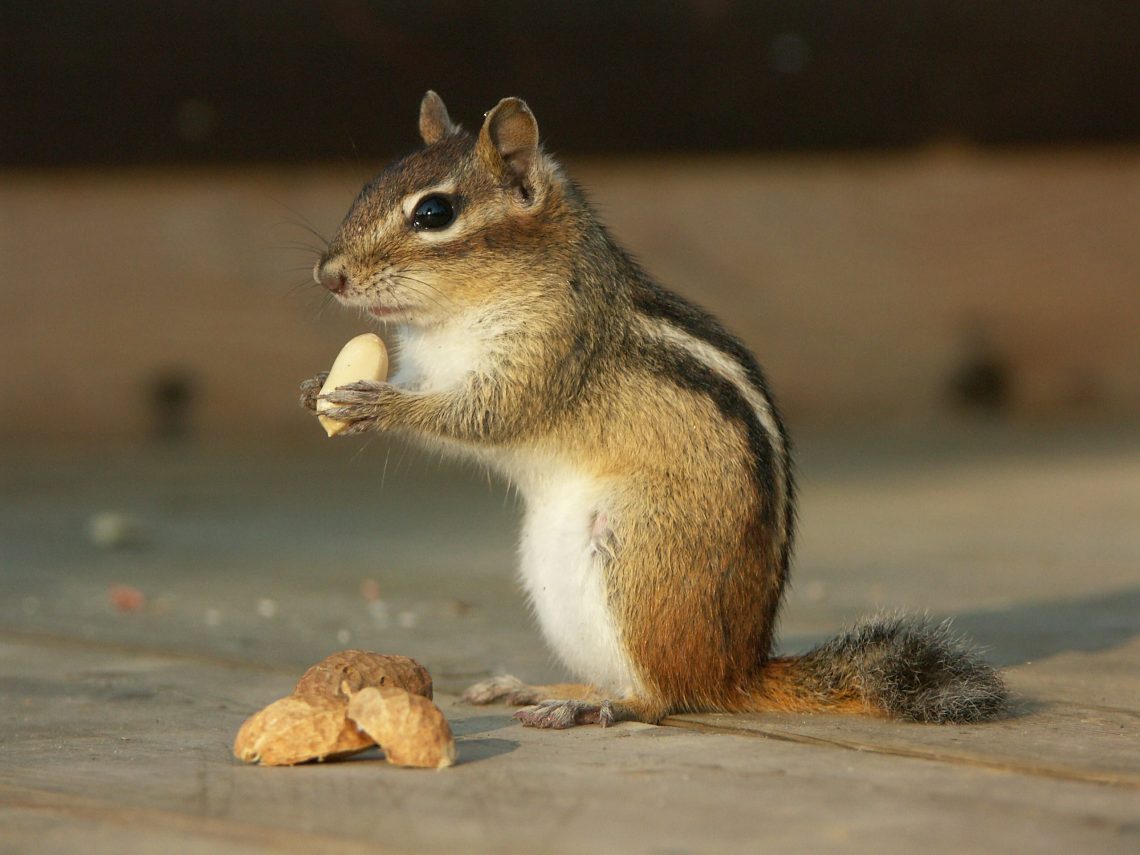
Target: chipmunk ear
x=508, y=144
x=435, y=124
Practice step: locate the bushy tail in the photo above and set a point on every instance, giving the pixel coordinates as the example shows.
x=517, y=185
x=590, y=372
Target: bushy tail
x=903, y=667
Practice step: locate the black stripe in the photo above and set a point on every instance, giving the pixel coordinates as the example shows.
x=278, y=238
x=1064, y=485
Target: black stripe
x=677, y=365
x=653, y=301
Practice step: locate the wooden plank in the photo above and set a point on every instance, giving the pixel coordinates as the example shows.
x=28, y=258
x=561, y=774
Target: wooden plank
x=105, y=737
x=131, y=750
x=145, y=740
x=1055, y=730
x=35, y=820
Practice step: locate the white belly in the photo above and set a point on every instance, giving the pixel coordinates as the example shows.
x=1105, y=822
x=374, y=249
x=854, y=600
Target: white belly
x=562, y=575
x=561, y=572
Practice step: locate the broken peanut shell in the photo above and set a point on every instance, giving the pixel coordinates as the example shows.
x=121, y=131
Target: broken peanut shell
x=297, y=729
x=410, y=728
x=340, y=675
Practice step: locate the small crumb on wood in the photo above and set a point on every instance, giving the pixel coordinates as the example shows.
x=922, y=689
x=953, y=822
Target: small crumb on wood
x=126, y=598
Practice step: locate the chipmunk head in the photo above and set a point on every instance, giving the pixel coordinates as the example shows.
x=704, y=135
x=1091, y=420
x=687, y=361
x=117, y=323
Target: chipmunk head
x=462, y=223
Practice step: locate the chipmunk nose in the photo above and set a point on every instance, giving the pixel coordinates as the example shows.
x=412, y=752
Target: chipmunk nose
x=331, y=276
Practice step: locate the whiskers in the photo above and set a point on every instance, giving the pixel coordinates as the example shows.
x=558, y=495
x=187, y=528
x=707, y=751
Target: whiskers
x=305, y=225
x=425, y=290
x=305, y=247
x=407, y=293
x=310, y=250
x=326, y=301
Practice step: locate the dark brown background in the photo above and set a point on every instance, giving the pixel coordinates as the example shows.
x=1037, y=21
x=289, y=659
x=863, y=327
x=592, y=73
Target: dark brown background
x=206, y=81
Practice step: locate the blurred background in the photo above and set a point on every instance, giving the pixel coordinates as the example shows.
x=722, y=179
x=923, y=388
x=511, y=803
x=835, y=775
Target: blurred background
x=911, y=210
x=923, y=215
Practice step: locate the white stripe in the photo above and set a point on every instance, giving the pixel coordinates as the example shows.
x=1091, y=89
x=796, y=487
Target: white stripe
x=725, y=366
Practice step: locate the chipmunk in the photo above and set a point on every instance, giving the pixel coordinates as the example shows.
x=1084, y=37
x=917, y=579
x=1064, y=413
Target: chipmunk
x=653, y=462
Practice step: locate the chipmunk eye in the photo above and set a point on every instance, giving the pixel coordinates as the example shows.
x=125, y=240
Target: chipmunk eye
x=433, y=212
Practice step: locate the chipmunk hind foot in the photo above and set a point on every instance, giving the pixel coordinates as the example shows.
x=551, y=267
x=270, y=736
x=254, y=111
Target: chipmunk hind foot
x=560, y=705
x=561, y=714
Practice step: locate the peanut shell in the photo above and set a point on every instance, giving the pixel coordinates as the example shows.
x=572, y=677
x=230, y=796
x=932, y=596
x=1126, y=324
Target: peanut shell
x=410, y=728
x=340, y=675
x=296, y=729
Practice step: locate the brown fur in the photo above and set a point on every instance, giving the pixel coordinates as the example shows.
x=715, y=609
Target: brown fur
x=584, y=369
x=783, y=689
x=568, y=691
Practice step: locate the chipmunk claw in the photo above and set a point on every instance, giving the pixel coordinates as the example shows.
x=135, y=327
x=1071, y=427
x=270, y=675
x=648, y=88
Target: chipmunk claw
x=362, y=386
x=358, y=392
x=311, y=389
x=355, y=401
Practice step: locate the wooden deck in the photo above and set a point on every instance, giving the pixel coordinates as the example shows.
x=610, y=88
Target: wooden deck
x=115, y=726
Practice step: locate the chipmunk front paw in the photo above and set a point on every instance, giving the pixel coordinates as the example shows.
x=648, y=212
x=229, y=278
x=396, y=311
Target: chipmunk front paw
x=361, y=404
x=311, y=390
